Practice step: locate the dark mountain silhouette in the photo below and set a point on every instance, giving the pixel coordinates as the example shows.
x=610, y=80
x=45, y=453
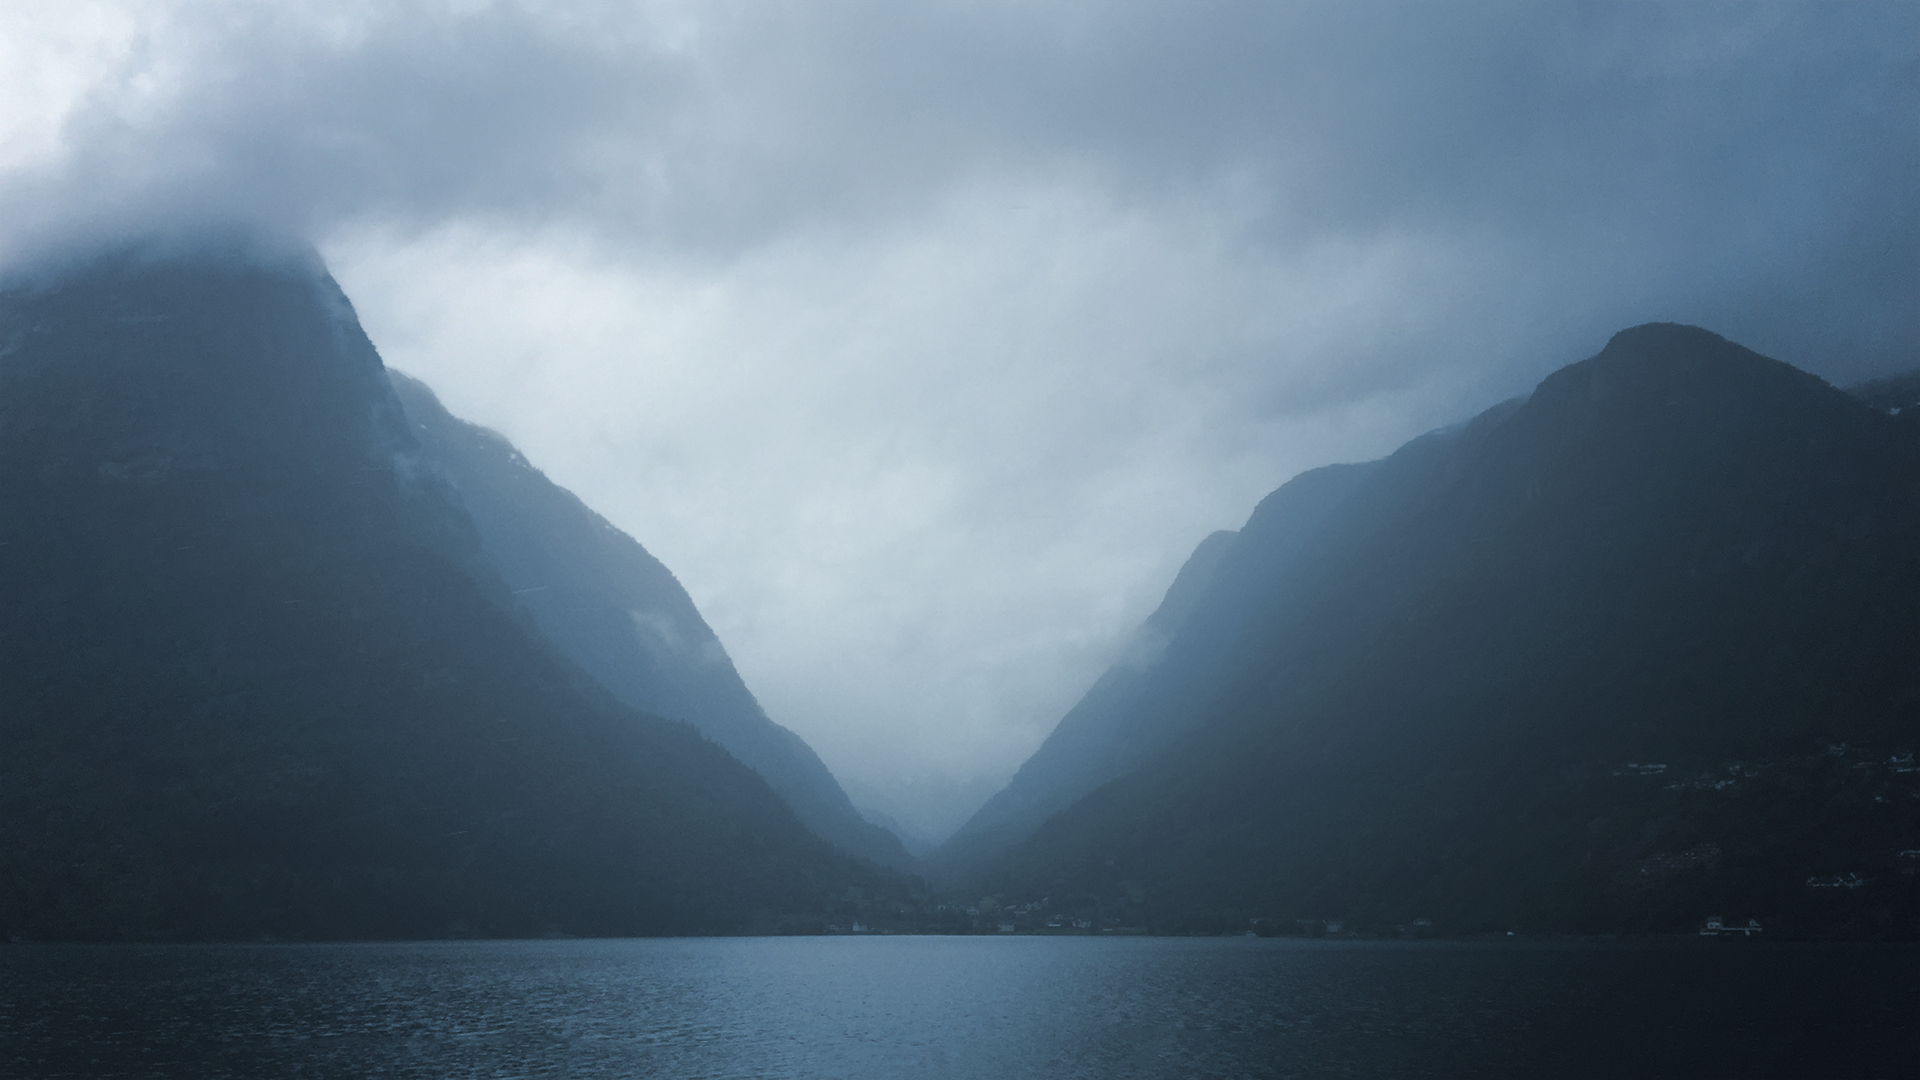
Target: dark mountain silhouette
x=1120, y=724
x=618, y=613
x=258, y=677
x=1639, y=649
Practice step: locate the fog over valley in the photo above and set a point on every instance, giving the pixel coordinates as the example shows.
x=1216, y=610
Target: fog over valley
x=922, y=344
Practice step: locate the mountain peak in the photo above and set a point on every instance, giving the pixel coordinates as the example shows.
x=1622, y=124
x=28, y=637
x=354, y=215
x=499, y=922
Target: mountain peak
x=1677, y=338
x=232, y=246
x=216, y=354
x=1667, y=356
x=1645, y=373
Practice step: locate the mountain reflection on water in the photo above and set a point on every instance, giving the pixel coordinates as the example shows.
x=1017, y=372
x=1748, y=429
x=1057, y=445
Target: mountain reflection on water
x=935, y=1007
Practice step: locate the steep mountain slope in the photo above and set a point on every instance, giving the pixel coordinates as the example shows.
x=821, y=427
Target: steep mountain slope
x=1142, y=705
x=1585, y=663
x=617, y=612
x=1112, y=730
x=258, y=677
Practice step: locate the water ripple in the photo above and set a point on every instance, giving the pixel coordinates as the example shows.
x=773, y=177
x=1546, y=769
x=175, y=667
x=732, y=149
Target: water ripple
x=953, y=1008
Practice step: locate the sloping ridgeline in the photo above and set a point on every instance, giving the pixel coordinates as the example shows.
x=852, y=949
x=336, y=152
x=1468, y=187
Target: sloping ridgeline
x=617, y=612
x=1638, y=650
x=1140, y=706
x=259, y=678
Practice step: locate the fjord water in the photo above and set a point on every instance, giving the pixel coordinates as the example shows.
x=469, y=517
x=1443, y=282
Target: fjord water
x=936, y=1007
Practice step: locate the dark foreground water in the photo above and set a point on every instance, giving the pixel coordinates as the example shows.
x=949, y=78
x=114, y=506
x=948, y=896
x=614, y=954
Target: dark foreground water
x=930, y=1007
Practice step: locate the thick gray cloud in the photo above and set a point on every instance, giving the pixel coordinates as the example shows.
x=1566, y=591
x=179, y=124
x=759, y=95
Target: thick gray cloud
x=922, y=341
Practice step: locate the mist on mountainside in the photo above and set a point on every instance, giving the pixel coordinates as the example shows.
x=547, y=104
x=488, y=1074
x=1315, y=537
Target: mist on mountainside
x=613, y=609
x=924, y=342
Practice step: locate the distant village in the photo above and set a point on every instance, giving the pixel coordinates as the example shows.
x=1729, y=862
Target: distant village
x=1883, y=778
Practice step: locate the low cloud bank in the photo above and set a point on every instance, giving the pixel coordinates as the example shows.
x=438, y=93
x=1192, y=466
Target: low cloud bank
x=924, y=341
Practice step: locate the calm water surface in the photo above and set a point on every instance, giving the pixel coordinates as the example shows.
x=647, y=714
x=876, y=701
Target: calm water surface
x=936, y=1007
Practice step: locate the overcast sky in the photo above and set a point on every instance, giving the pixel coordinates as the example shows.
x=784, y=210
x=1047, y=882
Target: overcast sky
x=923, y=342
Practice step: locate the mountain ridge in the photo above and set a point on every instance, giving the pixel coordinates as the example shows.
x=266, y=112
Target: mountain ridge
x=1675, y=551
x=261, y=680
x=615, y=610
